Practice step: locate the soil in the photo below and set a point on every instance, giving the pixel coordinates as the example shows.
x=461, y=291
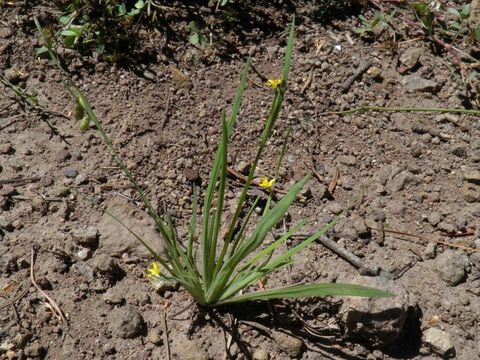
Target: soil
x=162, y=106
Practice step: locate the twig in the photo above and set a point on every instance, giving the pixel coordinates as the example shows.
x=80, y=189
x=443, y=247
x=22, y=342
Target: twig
x=462, y=247
x=53, y=305
x=362, y=67
x=19, y=181
x=165, y=332
x=401, y=109
x=10, y=303
x=346, y=255
x=15, y=299
x=334, y=181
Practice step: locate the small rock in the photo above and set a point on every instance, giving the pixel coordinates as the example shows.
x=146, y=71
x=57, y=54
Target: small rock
x=70, y=173
x=106, y=265
x=126, y=322
x=5, y=32
x=85, y=235
x=260, y=354
x=430, y=251
x=400, y=181
x=116, y=240
x=415, y=83
x=13, y=75
x=416, y=149
x=192, y=174
x=291, y=345
x=410, y=57
x=40, y=205
x=446, y=227
x=379, y=321
x=459, y=150
x=188, y=350
x=470, y=193
x=472, y=176
x=81, y=179
x=440, y=342
x=6, y=149
x=154, y=337
x=114, y=296
x=7, y=190
x=434, y=218
x=335, y=208
x=375, y=73
x=84, y=253
x=451, y=266
x=6, y=345
x=348, y=160
x=35, y=350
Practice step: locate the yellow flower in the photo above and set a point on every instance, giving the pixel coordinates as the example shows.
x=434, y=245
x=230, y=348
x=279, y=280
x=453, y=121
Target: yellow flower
x=275, y=83
x=265, y=183
x=154, y=270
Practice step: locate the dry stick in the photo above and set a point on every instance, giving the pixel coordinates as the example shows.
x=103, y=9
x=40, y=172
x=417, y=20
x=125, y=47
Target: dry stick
x=165, y=332
x=10, y=303
x=462, y=247
x=19, y=181
x=362, y=67
x=15, y=299
x=401, y=109
x=346, y=255
x=53, y=305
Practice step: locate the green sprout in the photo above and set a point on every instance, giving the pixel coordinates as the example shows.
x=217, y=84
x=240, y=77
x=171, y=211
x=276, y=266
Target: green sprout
x=219, y=269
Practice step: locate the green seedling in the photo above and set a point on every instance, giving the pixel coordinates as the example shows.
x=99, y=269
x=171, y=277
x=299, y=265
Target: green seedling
x=223, y=265
x=197, y=36
x=377, y=24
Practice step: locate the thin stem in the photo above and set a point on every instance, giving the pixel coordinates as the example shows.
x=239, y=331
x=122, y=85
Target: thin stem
x=401, y=109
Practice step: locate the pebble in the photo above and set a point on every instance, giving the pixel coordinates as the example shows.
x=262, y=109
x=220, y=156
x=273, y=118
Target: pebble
x=470, y=193
x=260, y=354
x=40, y=205
x=472, y=176
x=291, y=345
x=114, y=296
x=7, y=190
x=415, y=83
x=348, y=160
x=446, y=227
x=379, y=321
x=83, y=253
x=154, y=337
x=191, y=174
x=451, y=266
x=400, y=181
x=189, y=350
x=410, y=57
x=85, y=235
x=440, y=342
x=106, y=265
x=6, y=149
x=12, y=75
x=459, y=150
x=5, y=32
x=35, y=350
x=430, y=251
x=70, y=173
x=126, y=322
x=434, y=218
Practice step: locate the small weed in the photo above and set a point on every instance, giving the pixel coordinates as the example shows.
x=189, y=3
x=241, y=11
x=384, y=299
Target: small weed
x=104, y=26
x=376, y=25
x=219, y=268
